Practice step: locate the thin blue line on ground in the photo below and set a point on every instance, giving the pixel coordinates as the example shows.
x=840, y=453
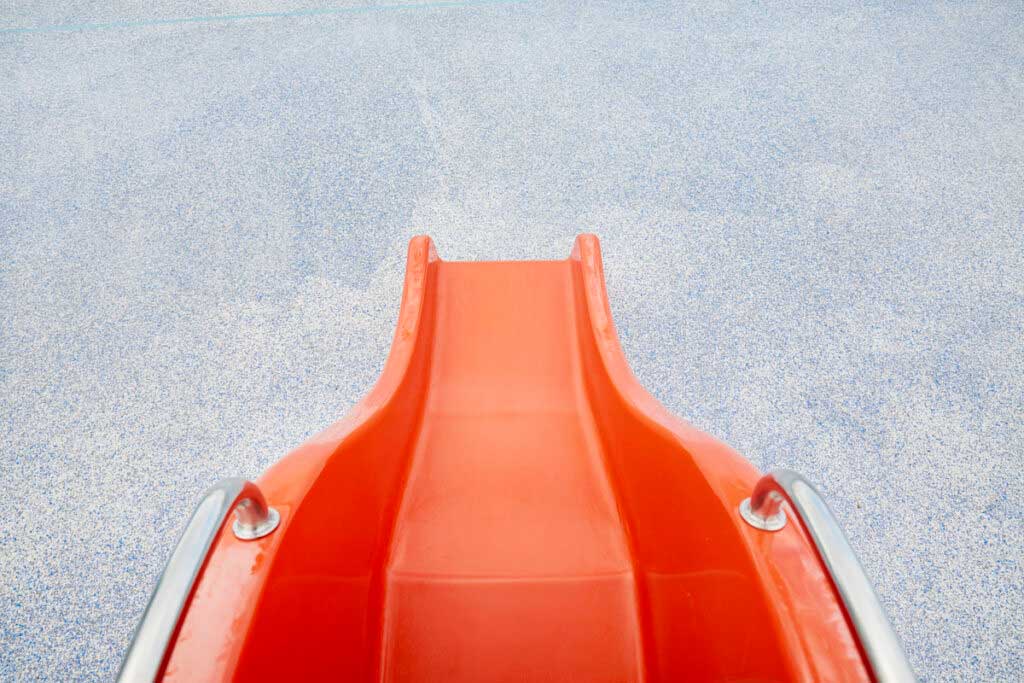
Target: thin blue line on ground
x=311, y=12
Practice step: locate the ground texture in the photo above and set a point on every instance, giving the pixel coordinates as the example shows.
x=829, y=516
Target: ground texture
x=812, y=218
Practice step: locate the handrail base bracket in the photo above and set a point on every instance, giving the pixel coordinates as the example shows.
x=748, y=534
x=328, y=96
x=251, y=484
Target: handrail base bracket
x=250, y=532
x=770, y=523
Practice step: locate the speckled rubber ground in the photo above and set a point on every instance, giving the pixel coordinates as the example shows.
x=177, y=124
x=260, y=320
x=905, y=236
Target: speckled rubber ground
x=812, y=219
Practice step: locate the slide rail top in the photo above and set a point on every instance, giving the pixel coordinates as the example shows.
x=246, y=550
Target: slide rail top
x=254, y=519
x=763, y=510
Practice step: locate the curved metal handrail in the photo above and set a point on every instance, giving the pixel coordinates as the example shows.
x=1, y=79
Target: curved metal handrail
x=763, y=510
x=255, y=519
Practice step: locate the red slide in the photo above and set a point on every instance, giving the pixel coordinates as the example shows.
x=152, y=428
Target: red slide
x=509, y=504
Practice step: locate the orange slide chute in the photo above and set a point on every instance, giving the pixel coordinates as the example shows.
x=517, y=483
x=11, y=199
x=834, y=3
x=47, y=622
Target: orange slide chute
x=509, y=504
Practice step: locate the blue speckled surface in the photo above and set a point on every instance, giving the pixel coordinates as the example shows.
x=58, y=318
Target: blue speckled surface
x=812, y=219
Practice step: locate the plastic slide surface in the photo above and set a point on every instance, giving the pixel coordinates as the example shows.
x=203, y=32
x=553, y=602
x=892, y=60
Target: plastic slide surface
x=508, y=504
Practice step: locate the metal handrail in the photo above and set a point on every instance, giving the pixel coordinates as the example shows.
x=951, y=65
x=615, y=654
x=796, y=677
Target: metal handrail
x=255, y=519
x=763, y=510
